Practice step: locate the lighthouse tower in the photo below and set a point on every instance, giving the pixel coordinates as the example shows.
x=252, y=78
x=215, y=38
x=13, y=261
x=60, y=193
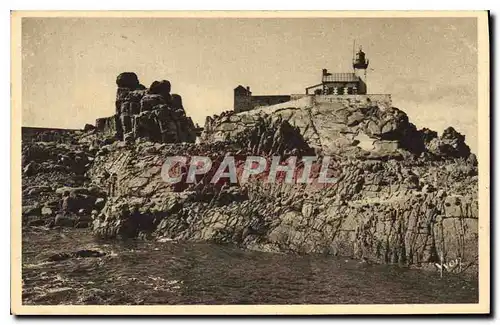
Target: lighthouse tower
x=360, y=65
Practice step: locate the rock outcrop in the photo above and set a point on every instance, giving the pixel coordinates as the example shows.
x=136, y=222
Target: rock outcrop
x=409, y=212
x=401, y=195
x=450, y=144
x=355, y=126
x=152, y=114
x=55, y=187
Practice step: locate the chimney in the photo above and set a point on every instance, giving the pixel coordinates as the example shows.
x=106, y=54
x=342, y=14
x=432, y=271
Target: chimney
x=325, y=71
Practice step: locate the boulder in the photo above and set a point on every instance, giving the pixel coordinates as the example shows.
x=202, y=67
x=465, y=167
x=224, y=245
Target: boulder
x=451, y=144
x=84, y=253
x=428, y=188
x=99, y=203
x=160, y=88
x=88, y=128
x=127, y=80
x=472, y=159
x=31, y=169
x=31, y=210
x=47, y=212
x=63, y=221
x=427, y=134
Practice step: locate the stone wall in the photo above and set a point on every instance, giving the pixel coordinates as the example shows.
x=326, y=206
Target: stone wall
x=381, y=100
x=298, y=96
x=269, y=100
x=305, y=101
x=243, y=103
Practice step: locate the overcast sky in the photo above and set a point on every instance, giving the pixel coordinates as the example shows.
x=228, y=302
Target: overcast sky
x=70, y=64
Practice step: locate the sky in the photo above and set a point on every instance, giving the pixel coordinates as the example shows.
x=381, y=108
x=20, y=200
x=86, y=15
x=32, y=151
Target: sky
x=69, y=65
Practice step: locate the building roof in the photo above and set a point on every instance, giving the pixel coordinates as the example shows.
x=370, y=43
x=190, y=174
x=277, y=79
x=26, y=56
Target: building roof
x=341, y=77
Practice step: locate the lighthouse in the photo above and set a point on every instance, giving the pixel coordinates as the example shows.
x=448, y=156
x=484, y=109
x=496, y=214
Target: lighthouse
x=360, y=65
x=344, y=83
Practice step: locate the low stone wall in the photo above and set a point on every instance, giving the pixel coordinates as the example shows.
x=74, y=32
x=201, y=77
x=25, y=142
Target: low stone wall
x=306, y=101
x=380, y=100
x=303, y=100
x=299, y=96
x=257, y=101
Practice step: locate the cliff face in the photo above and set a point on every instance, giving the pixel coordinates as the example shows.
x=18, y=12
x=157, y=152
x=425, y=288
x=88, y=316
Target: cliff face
x=408, y=212
x=402, y=195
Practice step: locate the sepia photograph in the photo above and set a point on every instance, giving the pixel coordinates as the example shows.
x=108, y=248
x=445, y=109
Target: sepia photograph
x=211, y=162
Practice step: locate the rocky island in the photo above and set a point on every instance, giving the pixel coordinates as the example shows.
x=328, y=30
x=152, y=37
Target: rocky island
x=273, y=163
x=403, y=195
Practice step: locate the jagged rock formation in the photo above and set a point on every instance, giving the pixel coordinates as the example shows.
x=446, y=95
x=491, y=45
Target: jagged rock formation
x=357, y=127
x=268, y=137
x=382, y=207
x=407, y=212
x=55, y=190
x=450, y=144
x=152, y=114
